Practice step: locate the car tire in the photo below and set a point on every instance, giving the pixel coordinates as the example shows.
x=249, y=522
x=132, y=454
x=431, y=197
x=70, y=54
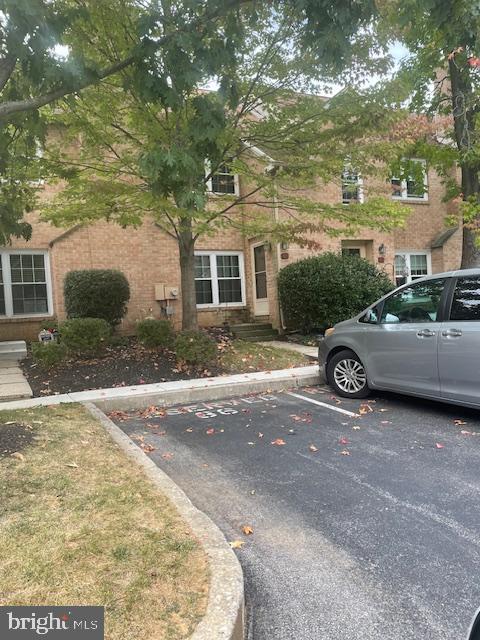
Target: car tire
x=347, y=376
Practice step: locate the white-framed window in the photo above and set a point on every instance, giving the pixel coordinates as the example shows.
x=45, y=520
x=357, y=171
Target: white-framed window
x=219, y=279
x=410, y=266
x=411, y=187
x=224, y=181
x=352, y=190
x=25, y=284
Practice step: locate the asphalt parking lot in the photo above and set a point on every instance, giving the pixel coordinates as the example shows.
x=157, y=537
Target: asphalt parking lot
x=365, y=516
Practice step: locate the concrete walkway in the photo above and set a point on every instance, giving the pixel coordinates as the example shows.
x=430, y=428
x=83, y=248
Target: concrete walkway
x=310, y=352
x=13, y=384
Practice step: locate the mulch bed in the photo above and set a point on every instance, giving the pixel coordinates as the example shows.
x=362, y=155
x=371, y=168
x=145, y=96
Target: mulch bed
x=117, y=366
x=14, y=437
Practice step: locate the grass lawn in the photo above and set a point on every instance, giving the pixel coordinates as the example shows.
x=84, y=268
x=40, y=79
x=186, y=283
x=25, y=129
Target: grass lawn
x=79, y=524
x=244, y=357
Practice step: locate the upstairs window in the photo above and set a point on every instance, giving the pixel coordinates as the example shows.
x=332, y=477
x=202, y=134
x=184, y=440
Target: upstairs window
x=412, y=186
x=351, y=186
x=224, y=181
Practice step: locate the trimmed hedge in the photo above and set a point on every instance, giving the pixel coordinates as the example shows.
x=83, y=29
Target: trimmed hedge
x=84, y=336
x=155, y=333
x=318, y=292
x=49, y=354
x=195, y=347
x=96, y=293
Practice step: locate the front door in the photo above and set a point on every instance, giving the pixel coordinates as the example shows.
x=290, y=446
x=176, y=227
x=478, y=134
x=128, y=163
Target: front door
x=260, y=293
x=402, y=348
x=459, y=346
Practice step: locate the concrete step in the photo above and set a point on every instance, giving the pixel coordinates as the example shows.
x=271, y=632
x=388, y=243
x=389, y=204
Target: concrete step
x=246, y=326
x=269, y=338
x=256, y=333
x=13, y=349
x=15, y=391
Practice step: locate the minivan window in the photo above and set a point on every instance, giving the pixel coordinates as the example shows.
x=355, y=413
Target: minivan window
x=417, y=303
x=466, y=299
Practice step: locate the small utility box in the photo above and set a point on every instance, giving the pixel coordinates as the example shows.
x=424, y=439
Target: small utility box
x=160, y=291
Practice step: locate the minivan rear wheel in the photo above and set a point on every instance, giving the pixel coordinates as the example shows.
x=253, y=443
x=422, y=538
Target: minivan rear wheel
x=347, y=376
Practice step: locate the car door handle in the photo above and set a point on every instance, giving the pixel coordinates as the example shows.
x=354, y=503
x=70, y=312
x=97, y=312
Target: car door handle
x=451, y=333
x=426, y=333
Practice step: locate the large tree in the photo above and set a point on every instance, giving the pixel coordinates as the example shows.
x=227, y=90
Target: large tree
x=441, y=77
x=153, y=139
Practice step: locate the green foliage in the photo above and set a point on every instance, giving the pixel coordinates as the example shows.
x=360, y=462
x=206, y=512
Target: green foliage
x=318, y=292
x=155, y=333
x=96, y=293
x=48, y=354
x=84, y=336
x=195, y=347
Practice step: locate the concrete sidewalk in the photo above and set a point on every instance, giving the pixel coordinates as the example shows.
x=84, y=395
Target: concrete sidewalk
x=181, y=391
x=309, y=352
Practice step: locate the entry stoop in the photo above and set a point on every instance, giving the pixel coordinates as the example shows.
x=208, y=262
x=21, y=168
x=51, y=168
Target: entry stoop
x=13, y=350
x=254, y=331
x=13, y=384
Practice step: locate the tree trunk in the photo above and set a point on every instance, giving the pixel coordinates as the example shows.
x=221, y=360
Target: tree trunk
x=186, y=245
x=470, y=248
x=464, y=127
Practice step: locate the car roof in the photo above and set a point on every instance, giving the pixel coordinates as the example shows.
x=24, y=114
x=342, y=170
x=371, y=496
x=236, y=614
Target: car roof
x=452, y=274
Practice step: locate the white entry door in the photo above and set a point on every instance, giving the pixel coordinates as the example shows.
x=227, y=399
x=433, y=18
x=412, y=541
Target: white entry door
x=259, y=268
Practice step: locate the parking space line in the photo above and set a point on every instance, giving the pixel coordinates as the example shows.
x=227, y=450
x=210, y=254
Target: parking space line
x=324, y=404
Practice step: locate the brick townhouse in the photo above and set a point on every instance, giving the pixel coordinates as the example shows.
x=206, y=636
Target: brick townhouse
x=235, y=275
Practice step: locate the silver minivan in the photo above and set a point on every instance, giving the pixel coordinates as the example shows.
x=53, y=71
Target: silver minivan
x=422, y=339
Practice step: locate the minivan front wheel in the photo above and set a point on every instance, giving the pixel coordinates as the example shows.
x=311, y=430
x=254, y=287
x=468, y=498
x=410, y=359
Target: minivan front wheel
x=347, y=376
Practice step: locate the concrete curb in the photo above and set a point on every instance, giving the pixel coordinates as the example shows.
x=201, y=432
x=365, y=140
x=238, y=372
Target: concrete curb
x=224, y=618
x=183, y=391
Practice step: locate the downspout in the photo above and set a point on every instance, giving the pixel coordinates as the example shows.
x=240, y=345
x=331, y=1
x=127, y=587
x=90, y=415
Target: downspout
x=278, y=251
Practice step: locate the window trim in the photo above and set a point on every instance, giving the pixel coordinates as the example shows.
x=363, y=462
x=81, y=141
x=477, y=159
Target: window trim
x=7, y=283
x=236, y=182
x=418, y=252
x=403, y=184
x=214, y=278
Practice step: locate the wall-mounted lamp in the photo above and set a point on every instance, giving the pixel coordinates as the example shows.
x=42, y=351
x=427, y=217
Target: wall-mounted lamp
x=382, y=250
x=284, y=246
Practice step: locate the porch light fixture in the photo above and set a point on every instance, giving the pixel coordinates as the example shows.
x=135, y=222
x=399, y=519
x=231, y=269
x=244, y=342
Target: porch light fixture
x=382, y=250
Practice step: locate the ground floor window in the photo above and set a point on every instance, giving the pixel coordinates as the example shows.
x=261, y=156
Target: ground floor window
x=25, y=288
x=411, y=266
x=219, y=278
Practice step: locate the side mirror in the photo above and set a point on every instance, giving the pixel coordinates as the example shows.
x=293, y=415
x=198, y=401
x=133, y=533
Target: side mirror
x=475, y=630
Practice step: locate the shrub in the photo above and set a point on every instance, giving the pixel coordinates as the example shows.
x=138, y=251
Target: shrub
x=84, y=335
x=48, y=354
x=155, y=333
x=96, y=293
x=195, y=347
x=318, y=292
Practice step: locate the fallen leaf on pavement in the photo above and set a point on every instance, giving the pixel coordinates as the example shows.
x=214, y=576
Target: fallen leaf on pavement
x=167, y=456
x=344, y=453
x=210, y=432
x=74, y=465
x=344, y=440
x=237, y=544
x=278, y=442
x=364, y=408
x=189, y=430
x=260, y=434
x=439, y=445
x=356, y=427
x=247, y=530
x=148, y=448
x=459, y=423
x=466, y=433
x=313, y=448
